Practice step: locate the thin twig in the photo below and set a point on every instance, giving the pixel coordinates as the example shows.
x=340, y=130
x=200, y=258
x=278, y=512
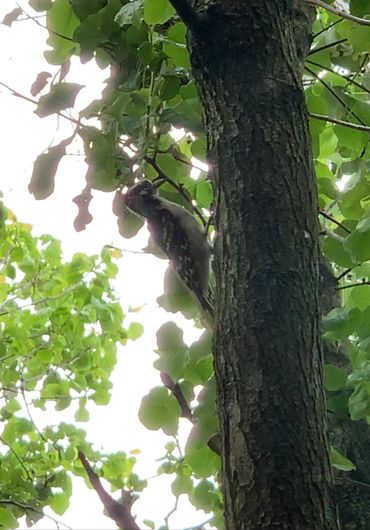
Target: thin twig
x=346, y=77
x=43, y=438
x=332, y=235
x=334, y=94
x=46, y=299
x=342, y=14
x=34, y=19
x=342, y=274
x=325, y=46
x=326, y=28
x=199, y=526
x=343, y=123
x=333, y=220
x=30, y=100
x=17, y=458
x=171, y=512
x=358, y=284
x=26, y=507
x=362, y=65
x=125, y=250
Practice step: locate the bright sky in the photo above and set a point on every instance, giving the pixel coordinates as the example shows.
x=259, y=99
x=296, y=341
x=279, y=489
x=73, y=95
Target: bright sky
x=23, y=136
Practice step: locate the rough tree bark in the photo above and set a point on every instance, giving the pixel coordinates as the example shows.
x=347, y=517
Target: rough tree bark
x=247, y=59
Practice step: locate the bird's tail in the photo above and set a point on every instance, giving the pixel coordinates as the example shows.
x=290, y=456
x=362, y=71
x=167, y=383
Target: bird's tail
x=206, y=302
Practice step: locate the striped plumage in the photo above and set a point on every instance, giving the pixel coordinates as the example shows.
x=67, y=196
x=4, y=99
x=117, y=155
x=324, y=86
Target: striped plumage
x=179, y=237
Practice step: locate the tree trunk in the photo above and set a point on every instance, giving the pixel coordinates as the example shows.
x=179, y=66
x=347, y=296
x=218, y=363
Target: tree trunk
x=247, y=59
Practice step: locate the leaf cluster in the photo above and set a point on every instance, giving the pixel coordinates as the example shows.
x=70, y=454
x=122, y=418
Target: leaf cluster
x=60, y=323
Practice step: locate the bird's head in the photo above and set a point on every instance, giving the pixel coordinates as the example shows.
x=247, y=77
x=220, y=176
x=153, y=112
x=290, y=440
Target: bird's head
x=140, y=194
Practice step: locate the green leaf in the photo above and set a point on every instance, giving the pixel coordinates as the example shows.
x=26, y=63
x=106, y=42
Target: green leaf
x=175, y=46
x=60, y=97
x=204, y=462
x=7, y=519
x=360, y=8
x=13, y=406
x=358, y=243
x=40, y=5
x=129, y=13
x=170, y=88
x=359, y=37
x=135, y=330
x=335, y=378
x=203, y=496
x=335, y=252
x=61, y=22
x=59, y=503
x=157, y=11
x=362, y=374
x=149, y=523
x=97, y=28
x=204, y=194
x=181, y=484
x=340, y=322
x=199, y=149
x=186, y=114
x=129, y=223
x=101, y=396
x=145, y=52
x=170, y=338
x=339, y=404
x=160, y=410
x=176, y=297
x=328, y=144
x=351, y=139
x=82, y=414
x=44, y=171
x=339, y=461
x=359, y=401
x=172, y=350
x=83, y=8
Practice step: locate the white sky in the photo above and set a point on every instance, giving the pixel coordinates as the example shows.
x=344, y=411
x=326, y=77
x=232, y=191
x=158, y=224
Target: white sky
x=23, y=136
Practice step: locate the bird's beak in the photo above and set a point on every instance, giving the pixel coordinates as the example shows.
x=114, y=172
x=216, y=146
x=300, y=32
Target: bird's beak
x=158, y=182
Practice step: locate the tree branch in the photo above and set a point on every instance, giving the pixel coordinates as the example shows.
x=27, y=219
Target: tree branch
x=188, y=15
x=175, y=389
x=342, y=14
x=119, y=512
x=343, y=123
